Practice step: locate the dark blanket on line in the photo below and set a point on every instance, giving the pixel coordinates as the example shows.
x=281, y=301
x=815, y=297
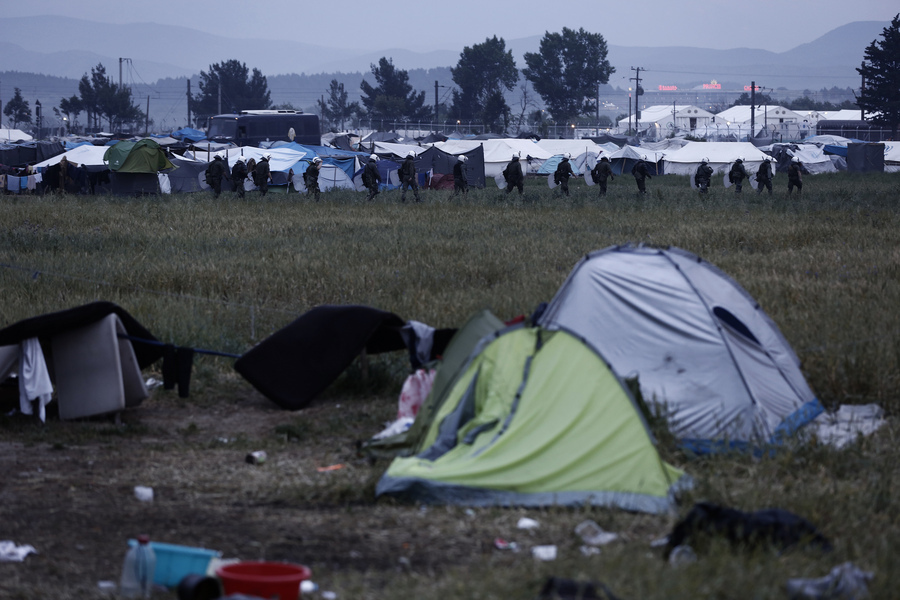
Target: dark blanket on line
x=44, y=327
x=296, y=363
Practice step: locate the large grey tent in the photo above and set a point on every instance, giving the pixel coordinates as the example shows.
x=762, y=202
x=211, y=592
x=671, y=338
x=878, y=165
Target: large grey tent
x=702, y=348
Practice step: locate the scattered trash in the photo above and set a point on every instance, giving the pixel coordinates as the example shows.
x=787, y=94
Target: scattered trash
x=557, y=588
x=659, y=542
x=152, y=383
x=394, y=428
x=590, y=550
x=143, y=493
x=776, y=527
x=545, y=553
x=329, y=595
x=844, y=582
x=526, y=523
x=846, y=425
x=9, y=552
x=224, y=440
x=682, y=555
x=138, y=570
x=403, y=560
x=257, y=458
x=593, y=534
x=329, y=468
x=470, y=512
x=307, y=586
x=501, y=544
x=106, y=586
x=215, y=562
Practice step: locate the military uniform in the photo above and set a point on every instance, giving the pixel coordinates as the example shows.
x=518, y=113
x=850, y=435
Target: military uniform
x=514, y=176
x=764, y=177
x=641, y=173
x=600, y=173
x=408, y=179
x=371, y=179
x=795, y=179
x=261, y=175
x=215, y=172
x=703, y=176
x=562, y=174
x=238, y=175
x=311, y=179
x=460, y=179
x=737, y=175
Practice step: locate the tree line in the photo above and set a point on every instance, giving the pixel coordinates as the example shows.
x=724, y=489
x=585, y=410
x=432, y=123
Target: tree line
x=565, y=73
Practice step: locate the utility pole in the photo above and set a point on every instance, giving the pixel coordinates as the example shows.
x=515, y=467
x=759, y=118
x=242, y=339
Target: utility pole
x=189, y=101
x=147, y=117
x=752, y=109
x=862, y=90
x=637, y=94
x=219, y=86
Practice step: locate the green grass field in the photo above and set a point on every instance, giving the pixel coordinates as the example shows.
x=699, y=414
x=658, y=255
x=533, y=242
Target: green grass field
x=223, y=274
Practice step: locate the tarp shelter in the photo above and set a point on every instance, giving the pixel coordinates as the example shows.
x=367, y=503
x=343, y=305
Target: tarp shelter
x=537, y=419
x=813, y=159
x=441, y=163
x=702, y=348
x=187, y=134
x=721, y=155
x=28, y=153
x=865, y=158
x=296, y=363
x=94, y=369
x=186, y=176
x=624, y=159
x=498, y=153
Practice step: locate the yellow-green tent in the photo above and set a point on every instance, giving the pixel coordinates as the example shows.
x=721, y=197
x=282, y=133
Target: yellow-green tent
x=537, y=419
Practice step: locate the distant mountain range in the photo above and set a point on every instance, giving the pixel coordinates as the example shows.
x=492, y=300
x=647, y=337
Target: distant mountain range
x=61, y=47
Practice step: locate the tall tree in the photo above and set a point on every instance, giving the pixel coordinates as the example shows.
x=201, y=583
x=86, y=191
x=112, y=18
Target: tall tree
x=17, y=109
x=566, y=71
x=240, y=90
x=881, y=71
x=336, y=109
x=481, y=73
x=100, y=97
x=70, y=108
x=393, y=96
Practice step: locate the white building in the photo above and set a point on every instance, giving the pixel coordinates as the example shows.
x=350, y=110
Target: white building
x=666, y=119
x=769, y=121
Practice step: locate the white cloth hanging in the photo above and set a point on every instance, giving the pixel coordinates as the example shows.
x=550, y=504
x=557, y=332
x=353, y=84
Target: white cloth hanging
x=34, y=379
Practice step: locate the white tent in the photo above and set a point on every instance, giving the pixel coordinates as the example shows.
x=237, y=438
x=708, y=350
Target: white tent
x=701, y=347
x=387, y=148
x=14, y=135
x=499, y=152
x=85, y=156
x=720, y=154
x=573, y=147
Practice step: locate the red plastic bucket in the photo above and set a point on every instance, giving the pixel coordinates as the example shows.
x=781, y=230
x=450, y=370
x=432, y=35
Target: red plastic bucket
x=263, y=579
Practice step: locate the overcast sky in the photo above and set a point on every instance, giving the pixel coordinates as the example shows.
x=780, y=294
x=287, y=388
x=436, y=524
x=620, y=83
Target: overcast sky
x=775, y=25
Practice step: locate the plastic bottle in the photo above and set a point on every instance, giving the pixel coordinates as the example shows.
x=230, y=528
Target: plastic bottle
x=137, y=572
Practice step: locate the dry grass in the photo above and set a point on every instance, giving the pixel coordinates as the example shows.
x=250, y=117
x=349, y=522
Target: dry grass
x=224, y=274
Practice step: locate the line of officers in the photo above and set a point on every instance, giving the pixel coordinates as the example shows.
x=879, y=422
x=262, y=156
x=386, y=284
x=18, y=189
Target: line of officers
x=513, y=174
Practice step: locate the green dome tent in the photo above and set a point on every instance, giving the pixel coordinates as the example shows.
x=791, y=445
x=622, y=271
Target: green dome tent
x=134, y=166
x=537, y=418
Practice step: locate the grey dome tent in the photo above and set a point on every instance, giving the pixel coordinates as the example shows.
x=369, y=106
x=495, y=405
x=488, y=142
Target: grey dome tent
x=702, y=348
